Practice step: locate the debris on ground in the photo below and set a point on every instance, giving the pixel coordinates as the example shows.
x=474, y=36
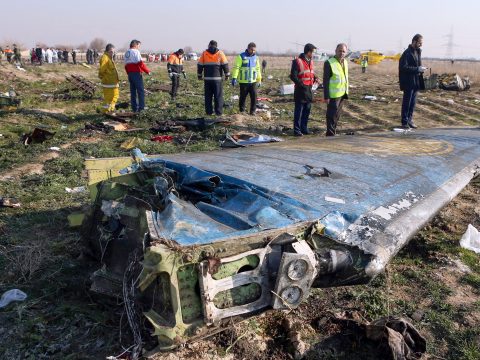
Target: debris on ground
x=99, y=127
x=471, y=239
x=9, y=202
x=198, y=124
x=183, y=140
x=386, y=338
x=131, y=143
x=124, y=116
x=287, y=89
x=453, y=82
x=12, y=295
x=9, y=101
x=162, y=138
x=54, y=148
x=37, y=136
x=167, y=126
x=314, y=172
x=75, y=190
x=82, y=84
x=242, y=139
x=108, y=126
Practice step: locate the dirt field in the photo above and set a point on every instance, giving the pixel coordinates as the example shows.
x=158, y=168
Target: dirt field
x=433, y=282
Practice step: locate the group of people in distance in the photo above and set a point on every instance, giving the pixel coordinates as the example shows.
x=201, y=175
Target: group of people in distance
x=213, y=69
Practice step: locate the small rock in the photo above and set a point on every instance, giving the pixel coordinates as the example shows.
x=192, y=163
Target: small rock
x=418, y=315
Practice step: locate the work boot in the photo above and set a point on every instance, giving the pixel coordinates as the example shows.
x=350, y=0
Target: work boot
x=297, y=134
x=412, y=125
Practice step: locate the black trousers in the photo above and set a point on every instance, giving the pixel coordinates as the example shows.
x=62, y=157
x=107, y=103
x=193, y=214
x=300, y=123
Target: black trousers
x=213, y=91
x=334, y=109
x=248, y=89
x=175, y=85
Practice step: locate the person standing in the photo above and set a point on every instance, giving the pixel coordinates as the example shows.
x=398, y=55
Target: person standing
x=335, y=87
x=247, y=70
x=49, y=56
x=95, y=56
x=211, y=66
x=175, y=68
x=264, y=66
x=410, y=73
x=74, y=56
x=54, y=56
x=134, y=67
x=303, y=75
x=9, y=53
x=364, y=64
x=108, y=74
x=17, y=55
x=89, y=56
x=65, y=56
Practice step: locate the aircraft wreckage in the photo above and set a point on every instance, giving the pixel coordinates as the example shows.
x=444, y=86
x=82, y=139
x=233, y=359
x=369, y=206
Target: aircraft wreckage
x=201, y=238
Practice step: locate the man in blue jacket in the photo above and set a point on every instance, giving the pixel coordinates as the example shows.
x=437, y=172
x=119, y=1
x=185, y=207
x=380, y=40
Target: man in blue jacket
x=411, y=79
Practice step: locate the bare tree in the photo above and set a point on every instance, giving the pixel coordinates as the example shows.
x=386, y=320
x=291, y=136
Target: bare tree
x=10, y=43
x=98, y=43
x=82, y=47
x=63, y=46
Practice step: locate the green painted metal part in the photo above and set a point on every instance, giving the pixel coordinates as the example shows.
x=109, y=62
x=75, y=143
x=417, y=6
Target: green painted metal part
x=184, y=293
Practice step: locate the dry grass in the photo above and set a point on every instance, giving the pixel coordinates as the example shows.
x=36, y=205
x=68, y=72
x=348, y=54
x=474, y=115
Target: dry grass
x=463, y=68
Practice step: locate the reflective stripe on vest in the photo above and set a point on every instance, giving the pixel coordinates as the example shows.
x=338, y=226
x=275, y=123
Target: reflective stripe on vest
x=338, y=85
x=306, y=74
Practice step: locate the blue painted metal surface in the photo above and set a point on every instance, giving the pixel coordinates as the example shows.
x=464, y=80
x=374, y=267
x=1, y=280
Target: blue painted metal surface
x=368, y=172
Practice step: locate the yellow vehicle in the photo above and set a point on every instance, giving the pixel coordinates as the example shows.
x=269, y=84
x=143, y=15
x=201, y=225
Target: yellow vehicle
x=373, y=57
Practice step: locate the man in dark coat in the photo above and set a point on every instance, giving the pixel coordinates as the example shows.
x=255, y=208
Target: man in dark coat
x=65, y=55
x=411, y=79
x=38, y=52
x=303, y=93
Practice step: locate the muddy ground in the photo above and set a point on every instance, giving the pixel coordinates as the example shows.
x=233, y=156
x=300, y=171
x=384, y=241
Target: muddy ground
x=432, y=282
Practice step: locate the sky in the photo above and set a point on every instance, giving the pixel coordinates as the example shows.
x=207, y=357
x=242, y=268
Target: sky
x=275, y=26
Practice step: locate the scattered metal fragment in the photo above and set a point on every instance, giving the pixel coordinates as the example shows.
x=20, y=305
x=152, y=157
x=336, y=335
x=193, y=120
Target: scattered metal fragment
x=9, y=202
x=82, y=84
x=37, y=136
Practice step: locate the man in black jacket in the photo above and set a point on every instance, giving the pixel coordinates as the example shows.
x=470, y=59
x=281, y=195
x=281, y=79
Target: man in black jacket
x=411, y=79
x=303, y=75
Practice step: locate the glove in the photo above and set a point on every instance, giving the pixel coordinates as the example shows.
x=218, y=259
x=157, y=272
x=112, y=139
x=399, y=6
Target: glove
x=259, y=84
x=422, y=69
x=170, y=75
x=234, y=82
x=184, y=75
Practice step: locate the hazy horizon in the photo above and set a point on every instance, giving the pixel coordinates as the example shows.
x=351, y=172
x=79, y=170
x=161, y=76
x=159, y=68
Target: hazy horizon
x=367, y=24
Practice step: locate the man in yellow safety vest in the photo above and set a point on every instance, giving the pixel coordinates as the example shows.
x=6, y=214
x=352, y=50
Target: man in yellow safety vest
x=335, y=86
x=364, y=64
